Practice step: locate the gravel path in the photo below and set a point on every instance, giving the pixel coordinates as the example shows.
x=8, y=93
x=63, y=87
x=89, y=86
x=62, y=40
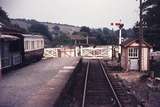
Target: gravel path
x=17, y=86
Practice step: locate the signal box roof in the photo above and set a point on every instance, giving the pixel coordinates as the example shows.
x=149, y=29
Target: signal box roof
x=128, y=42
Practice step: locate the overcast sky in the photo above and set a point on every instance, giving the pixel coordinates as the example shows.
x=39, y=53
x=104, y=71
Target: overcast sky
x=92, y=13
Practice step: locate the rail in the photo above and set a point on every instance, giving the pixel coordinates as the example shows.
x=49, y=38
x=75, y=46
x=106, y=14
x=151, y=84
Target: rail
x=108, y=80
x=85, y=85
x=114, y=92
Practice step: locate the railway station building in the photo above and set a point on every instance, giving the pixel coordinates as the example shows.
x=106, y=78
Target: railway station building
x=130, y=55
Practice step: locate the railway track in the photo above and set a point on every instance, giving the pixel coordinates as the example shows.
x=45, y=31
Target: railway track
x=98, y=89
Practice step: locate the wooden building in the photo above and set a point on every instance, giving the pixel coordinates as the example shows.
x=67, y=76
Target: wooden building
x=77, y=39
x=130, y=55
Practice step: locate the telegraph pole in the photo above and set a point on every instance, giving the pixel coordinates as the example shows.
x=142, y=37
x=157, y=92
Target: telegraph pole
x=0, y=52
x=140, y=36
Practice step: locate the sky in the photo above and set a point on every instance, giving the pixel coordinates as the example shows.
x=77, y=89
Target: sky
x=91, y=13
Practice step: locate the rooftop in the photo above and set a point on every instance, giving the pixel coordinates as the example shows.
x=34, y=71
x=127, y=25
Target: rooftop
x=9, y=37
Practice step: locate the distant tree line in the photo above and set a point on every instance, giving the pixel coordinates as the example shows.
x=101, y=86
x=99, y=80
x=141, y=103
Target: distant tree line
x=105, y=36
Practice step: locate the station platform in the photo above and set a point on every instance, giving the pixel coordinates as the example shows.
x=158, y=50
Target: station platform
x=37, y=85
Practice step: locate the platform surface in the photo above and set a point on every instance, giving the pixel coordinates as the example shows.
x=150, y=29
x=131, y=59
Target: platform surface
x=37, y=85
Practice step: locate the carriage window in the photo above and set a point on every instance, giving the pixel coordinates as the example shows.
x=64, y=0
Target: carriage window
x=41, y=43
x=32, y=44
x=133, y=52
x=27, y=45
x=37, y=43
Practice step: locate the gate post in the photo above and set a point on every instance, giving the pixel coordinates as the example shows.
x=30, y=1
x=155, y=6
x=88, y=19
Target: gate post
x=81, y=48
x=59, y=52
x=76, y=50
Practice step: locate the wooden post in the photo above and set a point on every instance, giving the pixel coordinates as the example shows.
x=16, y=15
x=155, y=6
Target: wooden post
x=0, y=56
x=81, y=50
x=76, y=51
x=1, y=25
x=140, y=36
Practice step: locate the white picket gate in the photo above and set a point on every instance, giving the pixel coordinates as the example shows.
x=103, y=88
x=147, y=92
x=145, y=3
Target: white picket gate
x=67, y=52
x=50, y=52
x=86, y=52
x=98, y=52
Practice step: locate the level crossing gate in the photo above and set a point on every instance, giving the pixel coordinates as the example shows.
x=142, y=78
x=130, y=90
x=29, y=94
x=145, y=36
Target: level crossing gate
x=97, y=52
x=105, y=52
x=50, y=52
x=59, y=52
x=67, y=52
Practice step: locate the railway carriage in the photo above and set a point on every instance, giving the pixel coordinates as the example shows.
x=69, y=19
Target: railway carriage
x=18, y=49
x=33, y=47
x=10, y=51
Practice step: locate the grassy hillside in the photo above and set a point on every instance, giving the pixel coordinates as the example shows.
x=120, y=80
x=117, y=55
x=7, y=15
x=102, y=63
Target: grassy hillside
x=55, y=31
x=67, y=29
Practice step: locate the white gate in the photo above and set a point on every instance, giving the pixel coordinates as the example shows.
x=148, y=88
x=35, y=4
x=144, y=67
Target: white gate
x=59, y=52
x=67, y=52
x=50, y=52
x=98, y=52
x=86, y=52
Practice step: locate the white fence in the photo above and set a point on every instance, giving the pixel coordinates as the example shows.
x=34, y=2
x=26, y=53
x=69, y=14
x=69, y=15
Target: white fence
x=86, y=52
x=50, y=52
x=67, y=52
x=99, y=52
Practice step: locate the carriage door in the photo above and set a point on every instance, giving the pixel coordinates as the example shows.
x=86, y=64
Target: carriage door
x=133, y=58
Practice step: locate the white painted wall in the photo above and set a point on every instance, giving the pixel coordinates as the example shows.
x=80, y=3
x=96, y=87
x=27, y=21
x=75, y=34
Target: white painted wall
x=145, y=59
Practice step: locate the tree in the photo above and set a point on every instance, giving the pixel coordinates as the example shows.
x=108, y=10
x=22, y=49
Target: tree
x=56, y=28
x=41, y=29
x=151, y=16
x=86, y=30
x=4, y=17
x=106, y=31
x=104, y=36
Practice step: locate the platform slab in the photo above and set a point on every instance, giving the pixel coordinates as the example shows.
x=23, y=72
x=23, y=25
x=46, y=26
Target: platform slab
x=37, y=85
